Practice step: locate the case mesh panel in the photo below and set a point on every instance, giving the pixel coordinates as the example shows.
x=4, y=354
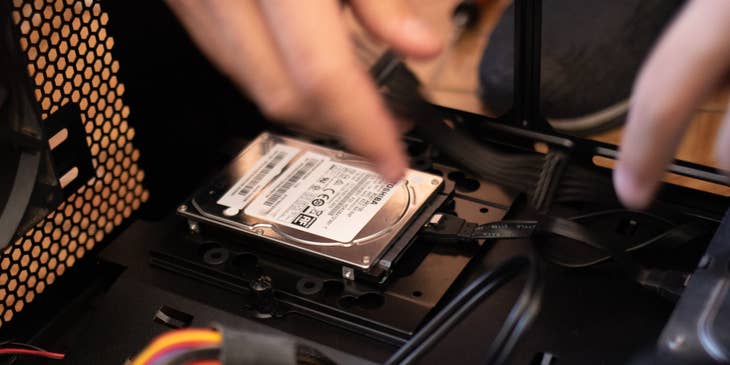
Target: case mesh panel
x=69, y=61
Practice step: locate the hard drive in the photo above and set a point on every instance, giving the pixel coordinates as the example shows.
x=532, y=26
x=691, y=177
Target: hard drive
x=312, y=199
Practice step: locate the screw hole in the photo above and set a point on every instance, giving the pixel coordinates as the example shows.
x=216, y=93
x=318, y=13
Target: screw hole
x=333, y=288
x=216, y=256
x=309, y=286
x=365, y=301
x=484, y=210
x=417, y=294
x=347, y=301
x=208, y=246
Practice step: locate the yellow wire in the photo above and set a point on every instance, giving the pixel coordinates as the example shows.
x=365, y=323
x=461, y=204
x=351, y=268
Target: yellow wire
x=180, y=336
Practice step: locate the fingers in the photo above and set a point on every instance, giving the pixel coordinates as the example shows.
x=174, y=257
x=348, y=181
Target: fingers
x=235, y=38
x=687, y=64
x=394, y=22
x=295, y=60
x=312, y=39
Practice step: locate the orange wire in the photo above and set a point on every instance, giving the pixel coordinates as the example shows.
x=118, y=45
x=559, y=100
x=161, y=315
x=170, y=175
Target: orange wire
x=166, y=340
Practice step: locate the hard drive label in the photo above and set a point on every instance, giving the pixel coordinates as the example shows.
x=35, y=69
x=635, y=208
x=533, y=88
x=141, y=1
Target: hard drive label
x=323, y=197
x=262, y=172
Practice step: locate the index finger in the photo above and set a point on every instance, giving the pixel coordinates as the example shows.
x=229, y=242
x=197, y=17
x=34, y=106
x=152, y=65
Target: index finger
x=313, y=40
x=689, y=62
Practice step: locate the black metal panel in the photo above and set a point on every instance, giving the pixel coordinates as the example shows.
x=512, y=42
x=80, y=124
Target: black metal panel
x=63, y=59
x=699, y=330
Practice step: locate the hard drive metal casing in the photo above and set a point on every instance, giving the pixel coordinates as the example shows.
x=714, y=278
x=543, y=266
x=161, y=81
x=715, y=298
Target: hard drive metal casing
x=260, y=171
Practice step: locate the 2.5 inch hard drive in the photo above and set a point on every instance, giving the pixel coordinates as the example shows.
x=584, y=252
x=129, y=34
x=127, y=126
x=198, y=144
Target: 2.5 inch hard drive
x=312, y=199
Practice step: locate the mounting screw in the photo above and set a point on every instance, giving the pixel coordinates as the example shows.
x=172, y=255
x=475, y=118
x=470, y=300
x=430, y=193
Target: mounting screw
x=261, y=284
x=182, y=208
x=366, y=260
x=676, y=342
x=259, y=231
x=194, y=226
x=263, y=294
x=230, y=212
x=348, y=273
x=434, y=182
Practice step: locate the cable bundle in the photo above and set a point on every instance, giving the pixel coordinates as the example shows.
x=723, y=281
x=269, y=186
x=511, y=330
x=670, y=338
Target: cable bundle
x=518, y=320
x=187, y=346
x=226, y=346
x=544, y=178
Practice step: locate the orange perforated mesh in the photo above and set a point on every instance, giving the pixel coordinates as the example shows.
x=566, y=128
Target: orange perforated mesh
x=70, y=61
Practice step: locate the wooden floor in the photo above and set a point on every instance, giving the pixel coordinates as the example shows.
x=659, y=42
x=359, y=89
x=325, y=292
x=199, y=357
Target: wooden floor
x=455, y=84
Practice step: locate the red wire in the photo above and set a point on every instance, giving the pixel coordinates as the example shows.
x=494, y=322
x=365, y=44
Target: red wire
x=19, y=351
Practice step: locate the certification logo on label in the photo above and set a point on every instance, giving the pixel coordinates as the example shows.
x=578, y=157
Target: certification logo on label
x=303, y=220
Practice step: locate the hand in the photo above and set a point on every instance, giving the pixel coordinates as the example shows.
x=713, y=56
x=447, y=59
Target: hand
x=691, y=60
x=295, y=60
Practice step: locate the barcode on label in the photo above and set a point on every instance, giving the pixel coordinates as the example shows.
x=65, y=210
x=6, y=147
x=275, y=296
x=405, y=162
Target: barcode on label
x=302, y=171
x=256, y=176
x=262, y=173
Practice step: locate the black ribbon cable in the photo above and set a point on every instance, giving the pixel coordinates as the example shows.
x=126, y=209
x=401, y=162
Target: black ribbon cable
x=523, y=312
x=668, y=283
x=506, y=229
x=544, y=178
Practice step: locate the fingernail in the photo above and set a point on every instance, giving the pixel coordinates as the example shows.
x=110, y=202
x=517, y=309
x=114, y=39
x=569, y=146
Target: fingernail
x=632, y=191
